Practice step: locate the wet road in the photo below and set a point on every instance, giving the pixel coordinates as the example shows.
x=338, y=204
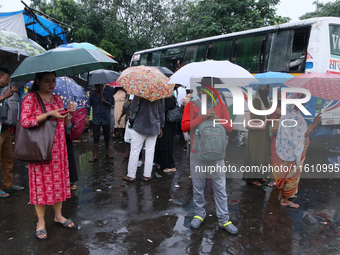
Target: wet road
x=115, y=217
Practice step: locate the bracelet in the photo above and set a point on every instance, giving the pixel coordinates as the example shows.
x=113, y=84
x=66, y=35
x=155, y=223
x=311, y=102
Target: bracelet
x=69, y=116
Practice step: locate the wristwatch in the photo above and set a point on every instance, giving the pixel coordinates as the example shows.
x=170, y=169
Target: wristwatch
x=49, y=116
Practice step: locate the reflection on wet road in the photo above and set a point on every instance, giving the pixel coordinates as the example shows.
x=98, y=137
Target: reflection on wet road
x=115, y=217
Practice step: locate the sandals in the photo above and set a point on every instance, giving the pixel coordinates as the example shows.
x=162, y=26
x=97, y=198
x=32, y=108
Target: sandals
x=17, y=188
x=73, y=186
x=109, y=156
x=3, y=194
x=66, y=223
x=290, y=205
x=41, y=232
x=128, y=179
x=147, y=179
x=93, y=160
x=169, y=170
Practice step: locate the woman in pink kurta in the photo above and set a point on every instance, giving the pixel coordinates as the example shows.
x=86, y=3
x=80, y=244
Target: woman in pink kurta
x=49, y=182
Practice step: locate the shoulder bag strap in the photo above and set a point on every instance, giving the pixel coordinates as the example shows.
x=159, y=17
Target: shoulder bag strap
x=42, y=105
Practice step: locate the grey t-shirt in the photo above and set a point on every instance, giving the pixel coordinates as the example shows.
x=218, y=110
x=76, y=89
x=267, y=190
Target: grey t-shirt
x=150, y=116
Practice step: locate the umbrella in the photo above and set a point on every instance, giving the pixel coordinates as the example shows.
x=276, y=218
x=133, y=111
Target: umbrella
x=11, y=58
x=229, y=73
x=63, y=61
x=115, y=84
x=146, y=82
x=323, y=85
x=20, y=42
x=76, y=92
x=273, y=79
x=102, y=76
x=85, y=45
x=166, y=71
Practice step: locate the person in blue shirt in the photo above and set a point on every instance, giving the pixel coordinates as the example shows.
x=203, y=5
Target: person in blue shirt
x=100, y=103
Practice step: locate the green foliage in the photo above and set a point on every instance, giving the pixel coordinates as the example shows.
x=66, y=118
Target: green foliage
x=122, y=27
x=324, y=10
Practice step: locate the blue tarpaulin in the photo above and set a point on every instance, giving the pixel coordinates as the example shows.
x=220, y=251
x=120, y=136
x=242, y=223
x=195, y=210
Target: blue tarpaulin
x=55, y=29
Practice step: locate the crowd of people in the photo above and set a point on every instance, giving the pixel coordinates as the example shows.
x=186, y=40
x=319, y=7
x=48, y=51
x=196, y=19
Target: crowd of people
x=143, y=123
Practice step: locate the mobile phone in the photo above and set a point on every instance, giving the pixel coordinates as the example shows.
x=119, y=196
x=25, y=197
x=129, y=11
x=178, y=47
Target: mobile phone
x=64, y=112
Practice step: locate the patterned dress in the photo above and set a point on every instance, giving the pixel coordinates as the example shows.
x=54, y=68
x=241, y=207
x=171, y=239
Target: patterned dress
x=49, y=182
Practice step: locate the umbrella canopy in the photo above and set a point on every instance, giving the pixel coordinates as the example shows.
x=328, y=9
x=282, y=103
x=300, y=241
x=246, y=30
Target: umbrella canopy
x=63, y=61
x=273, y=78
x=225, y=70
x=115, y=84
x=102, y=76
x=11, y=58
x=166, y=71
x=85, y=45
x=20, y=42
x=323, y=85
x=146, y=82
x=77, y=93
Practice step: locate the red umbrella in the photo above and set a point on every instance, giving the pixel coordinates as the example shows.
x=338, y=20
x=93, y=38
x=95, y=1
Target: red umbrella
x=114, y=84
x=323, y=85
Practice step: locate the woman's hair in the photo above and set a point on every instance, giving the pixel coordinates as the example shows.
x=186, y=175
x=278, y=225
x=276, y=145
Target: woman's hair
x=39, y=76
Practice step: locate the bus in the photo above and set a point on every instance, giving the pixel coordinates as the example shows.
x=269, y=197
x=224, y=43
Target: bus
x=311, y=45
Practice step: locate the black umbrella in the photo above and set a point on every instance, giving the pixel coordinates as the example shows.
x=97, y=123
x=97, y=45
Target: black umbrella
x=102, y=76
x=166, y=71
x=11, y=58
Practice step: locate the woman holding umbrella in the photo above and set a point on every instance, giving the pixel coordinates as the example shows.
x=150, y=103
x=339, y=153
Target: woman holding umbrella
x=49, y=182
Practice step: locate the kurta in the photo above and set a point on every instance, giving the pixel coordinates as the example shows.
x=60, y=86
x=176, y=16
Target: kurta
x=258, y=147
x=119, y=97
x=49, y=182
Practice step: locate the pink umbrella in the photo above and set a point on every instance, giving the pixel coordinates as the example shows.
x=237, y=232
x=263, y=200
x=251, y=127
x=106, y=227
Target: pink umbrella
x=114, y=84
x=323, y=85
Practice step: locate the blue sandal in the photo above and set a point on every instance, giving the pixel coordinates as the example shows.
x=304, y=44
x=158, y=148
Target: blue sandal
x=3, y=194
x=17, y=188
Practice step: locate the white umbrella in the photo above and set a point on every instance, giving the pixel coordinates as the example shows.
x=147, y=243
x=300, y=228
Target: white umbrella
x=228, y=72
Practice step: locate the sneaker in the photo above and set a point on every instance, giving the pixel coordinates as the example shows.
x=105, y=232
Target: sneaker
x=140, y=163
x=229, y=227
x=196, y=221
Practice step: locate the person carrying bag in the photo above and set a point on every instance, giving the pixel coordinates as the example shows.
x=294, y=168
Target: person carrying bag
x=49, y=181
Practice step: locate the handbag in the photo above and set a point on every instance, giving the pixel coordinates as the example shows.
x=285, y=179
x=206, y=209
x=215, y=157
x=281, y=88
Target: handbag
x=255, y=125
x=35, y=144
x=174, y=115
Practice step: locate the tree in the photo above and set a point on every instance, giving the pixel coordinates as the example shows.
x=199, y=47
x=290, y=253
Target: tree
x=324, y=10
x=215, y=17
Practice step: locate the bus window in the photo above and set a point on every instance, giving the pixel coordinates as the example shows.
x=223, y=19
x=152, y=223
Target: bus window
x=248, y=52
x=200, y=55
x=190, y=54
x=162, y=61
x=155, y=58
x=221, y=50
x=278, y=51
x=299, y=50
x=174, y=58
x=146, y=59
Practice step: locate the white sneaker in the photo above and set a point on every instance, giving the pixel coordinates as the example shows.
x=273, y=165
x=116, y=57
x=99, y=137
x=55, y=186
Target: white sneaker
x=140, y=163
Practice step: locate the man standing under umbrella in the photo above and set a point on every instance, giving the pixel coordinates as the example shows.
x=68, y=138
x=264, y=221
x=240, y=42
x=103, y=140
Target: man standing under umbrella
x=6, y=147
x=148, y=124
x=101, y=105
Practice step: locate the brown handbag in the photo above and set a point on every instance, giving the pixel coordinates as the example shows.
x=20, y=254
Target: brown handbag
x=35, y=144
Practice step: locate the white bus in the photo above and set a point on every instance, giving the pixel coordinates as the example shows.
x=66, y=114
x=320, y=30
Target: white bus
x=313, y=42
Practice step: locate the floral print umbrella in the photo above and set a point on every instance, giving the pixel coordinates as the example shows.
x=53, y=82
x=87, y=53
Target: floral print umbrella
x=76, y=92
x=146, y=82
x=20, y=42
x=323, y=85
